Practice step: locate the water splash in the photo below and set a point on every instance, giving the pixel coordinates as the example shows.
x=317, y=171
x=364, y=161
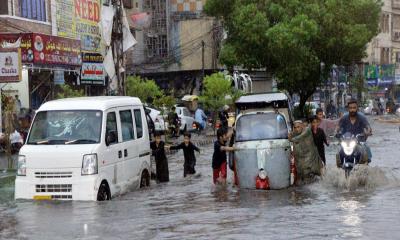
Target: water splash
x=362, y=177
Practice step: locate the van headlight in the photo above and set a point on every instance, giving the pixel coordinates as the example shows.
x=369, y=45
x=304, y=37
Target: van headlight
x=89, y=164
x=21, y=165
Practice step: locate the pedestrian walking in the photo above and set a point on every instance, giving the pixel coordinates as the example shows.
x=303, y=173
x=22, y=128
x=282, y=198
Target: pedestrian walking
x=319, y=138
x=158, y=151
x=219, y=156
x=188, y=152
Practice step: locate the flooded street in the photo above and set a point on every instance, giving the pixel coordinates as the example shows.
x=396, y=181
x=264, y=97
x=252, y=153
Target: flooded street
x=365, y=207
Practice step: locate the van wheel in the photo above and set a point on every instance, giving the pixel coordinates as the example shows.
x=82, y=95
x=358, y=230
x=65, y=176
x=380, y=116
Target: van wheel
x=104, y=192
x=145, y=179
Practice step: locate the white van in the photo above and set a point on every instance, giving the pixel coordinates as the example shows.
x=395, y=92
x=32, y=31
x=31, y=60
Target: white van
x=89, y=148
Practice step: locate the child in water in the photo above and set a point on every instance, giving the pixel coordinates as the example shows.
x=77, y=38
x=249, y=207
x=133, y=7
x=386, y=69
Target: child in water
x=188, y=152
x=219, y=156
x=319, y=138
x=157, y=147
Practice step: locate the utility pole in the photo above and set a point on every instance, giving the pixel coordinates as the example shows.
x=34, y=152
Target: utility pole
x=117, y=47
x=203, y=44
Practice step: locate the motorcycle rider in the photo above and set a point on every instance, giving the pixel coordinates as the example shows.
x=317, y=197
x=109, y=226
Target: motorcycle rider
x=355, y=123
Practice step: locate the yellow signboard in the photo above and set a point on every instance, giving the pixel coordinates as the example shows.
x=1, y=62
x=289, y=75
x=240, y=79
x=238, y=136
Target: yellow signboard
x=79, y=19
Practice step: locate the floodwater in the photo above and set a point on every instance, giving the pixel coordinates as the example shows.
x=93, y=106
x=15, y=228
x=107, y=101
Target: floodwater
x=364, y=207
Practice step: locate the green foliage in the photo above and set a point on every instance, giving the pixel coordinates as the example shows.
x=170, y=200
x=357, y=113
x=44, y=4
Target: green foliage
x=164, y=102
x=217, y=92
x=146, y=90
x=67, y=91
x=292, y=38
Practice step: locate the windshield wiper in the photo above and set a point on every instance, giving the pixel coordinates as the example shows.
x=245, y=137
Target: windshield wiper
x=88, y=141
x=51, y=141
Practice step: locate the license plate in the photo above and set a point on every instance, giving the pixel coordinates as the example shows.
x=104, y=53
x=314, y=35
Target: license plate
x=41, y=197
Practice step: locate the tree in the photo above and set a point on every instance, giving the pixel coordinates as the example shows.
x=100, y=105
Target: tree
x=146, y=90
x=217, y=92
x=297, y=40
x=165, y=103
x=67, y=92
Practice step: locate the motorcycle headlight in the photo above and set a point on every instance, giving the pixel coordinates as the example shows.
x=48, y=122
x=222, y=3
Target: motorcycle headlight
x=21, y=165
x=262, y=174
x=89, y=164
x=352, y=144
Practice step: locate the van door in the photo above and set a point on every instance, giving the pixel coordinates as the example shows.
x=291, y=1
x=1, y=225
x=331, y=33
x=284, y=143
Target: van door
x=142, y=138
x=112, y=154
x=130, y=167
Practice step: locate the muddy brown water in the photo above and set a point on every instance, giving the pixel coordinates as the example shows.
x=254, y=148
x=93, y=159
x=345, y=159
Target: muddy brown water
x=367, y=206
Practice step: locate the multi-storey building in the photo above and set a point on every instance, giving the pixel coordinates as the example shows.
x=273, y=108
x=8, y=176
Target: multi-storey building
x=383, y=53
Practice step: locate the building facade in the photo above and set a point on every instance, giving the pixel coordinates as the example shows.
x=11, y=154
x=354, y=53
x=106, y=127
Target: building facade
x=177, y=43
x=382, y=70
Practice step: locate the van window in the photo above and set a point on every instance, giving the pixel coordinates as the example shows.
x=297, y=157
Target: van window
x=139, y=125
x=261, y=126
x=126, y=125
x=66, y=127
x=111, y=126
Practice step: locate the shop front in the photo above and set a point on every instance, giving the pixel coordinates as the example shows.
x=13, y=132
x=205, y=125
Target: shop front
x=47, y=61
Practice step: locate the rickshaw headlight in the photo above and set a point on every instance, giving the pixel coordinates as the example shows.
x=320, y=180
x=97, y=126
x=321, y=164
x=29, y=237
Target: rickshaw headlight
x=262, y=174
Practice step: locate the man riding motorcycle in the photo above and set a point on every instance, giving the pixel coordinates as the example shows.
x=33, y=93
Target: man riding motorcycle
x=356, y=124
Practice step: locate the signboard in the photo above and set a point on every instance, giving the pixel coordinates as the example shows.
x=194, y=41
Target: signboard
x=26, y=44
x=92, y=73
x=59, y=77
x=55, y=50
x=79, y=19
x=44, y=49
x=10, y=65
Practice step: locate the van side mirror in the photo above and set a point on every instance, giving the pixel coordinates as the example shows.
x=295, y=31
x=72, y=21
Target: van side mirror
x=111, y=137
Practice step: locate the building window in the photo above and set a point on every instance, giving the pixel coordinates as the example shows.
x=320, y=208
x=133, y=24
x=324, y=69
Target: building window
x=4, y=8
x=385, y=23
x=128, y=4
x=385, y=55
x=33, y=9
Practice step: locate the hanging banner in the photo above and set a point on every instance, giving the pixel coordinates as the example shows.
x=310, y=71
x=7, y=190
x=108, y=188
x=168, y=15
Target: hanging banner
x=79, y=19
x=56, y=50
x=10, y=65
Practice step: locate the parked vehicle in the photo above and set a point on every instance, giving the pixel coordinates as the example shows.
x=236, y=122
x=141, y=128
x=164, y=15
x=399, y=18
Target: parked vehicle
x=369, y=108
x=185, y=117
x=263, y=156
x=313, y=106
x=158, y=119
x=90, y=148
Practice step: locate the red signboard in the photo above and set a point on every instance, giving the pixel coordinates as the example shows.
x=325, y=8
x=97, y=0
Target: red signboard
x=56, y=50
x=26, y=44
x=44, y=49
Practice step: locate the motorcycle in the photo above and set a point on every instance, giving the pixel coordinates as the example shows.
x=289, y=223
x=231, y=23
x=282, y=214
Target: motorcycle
x=352, y=152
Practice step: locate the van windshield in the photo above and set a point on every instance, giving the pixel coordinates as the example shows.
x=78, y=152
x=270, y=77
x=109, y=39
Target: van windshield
x=261, y=126
x=66, y=127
